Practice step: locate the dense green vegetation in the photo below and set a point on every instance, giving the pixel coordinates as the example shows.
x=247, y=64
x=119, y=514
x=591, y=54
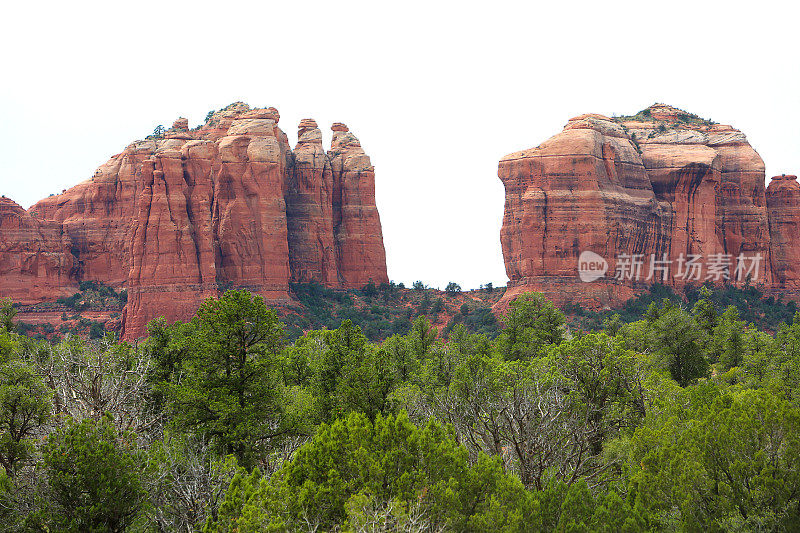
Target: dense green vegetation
x=94, y=295
x=387, y=309
x=77, y=325
x=766, y=313
x=683, y=418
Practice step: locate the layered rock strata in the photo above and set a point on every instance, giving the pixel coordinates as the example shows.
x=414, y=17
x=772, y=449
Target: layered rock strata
x=36, y=256
x=662, y=196
x=783, y=208
x=186, y=214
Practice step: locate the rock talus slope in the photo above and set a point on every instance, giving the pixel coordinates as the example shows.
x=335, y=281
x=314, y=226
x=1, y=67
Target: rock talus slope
x=184, y=215
x=659, y=196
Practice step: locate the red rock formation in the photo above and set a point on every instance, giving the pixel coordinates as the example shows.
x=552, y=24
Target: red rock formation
x=97, y=215
x=357, y=225
x=309, y=209
x=584, y=189
x=783, y=206
x=179, y=217
x=659, y=187
x=35, y=256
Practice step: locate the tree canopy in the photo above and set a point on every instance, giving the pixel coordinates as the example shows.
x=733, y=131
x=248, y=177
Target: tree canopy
x=686, y=419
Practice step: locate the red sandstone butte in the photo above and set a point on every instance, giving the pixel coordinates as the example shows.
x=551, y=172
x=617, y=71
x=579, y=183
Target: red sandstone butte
x=181, y=217
x=783, y=206
x=663, y=183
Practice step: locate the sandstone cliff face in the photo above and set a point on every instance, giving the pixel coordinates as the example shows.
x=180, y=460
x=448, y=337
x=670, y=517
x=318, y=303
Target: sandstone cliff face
x=647, y=194
x=36, y=260
x=357, y=226
x=309, y=209
x=783, y=206
x=97, y=215
x=179, y=218
x=584, y=189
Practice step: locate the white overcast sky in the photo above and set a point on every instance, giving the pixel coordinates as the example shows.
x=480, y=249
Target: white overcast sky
x=436, y=92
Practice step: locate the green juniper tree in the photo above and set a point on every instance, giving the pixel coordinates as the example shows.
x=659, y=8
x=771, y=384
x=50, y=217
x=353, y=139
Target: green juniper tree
x=24, y=408
x=93, y=477
x=532, y=323
x=231, y=388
